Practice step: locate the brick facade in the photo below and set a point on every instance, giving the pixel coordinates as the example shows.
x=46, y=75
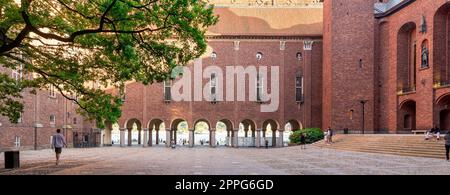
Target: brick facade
x=358, y=53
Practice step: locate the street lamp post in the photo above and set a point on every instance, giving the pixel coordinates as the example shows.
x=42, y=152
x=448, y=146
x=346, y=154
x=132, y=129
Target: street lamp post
x=363, y=103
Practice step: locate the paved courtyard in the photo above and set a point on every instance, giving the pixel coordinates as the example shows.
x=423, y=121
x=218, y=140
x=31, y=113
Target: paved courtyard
x=229, y=161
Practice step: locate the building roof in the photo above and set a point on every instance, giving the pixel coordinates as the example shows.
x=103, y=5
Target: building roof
x=268, y=21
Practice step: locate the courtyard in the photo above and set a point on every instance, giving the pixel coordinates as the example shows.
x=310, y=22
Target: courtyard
x=222, y=161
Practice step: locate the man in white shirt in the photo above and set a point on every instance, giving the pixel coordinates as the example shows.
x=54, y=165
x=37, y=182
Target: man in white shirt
x=58, y=142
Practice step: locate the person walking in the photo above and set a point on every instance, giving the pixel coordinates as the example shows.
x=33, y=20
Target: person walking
x=437, y=131
x=58, y=142
x=330, y=135
x=447, y=145
x=302, y=141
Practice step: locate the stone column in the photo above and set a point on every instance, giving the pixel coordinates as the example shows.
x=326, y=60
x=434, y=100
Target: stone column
x=130, y=137
x=274, y=138
x=258, y=138
x=228, y=138
x=168, y=137
x=145, y=142
x=122, y=137
x=175, y=136
x=212, y=139
x=235, y=138
x=102, y=137
x=150, y=138
x=191, y=138
x=281, y=139
x=139, y=137
x=157, y=136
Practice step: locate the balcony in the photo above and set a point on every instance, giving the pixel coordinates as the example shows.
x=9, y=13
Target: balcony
x=406, y=90
x=441, y=84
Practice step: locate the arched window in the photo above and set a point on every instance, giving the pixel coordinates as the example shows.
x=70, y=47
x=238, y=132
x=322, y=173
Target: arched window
x=407, y=58
x=299, y=56
x=259, y=87
x=425, y=55
x=299, y=88
x=407, y=121
x=167, y=88
x=213, y=87
x=213, y=55
x=259, y=56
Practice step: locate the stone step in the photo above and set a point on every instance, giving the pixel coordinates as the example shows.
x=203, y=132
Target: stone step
x=374, y=148
x=439, y=156
x=388, y=144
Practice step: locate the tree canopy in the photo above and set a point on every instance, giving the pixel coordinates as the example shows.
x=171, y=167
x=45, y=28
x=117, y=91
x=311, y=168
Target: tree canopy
x=70, y=44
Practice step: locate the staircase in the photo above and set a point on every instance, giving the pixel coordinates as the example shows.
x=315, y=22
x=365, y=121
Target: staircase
x=403, y=145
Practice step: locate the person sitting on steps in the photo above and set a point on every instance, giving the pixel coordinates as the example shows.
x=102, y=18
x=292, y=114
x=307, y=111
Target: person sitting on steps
x=435, y=131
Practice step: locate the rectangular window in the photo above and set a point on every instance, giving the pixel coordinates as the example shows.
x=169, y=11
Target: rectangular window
x=17, y=74
x=299, y=88
x=52, y=91
x=167, y=88
x=75, y=120
x=52, y=120
x=213, y=86
x=259, y=87
x=123, y=93
x=20, y=120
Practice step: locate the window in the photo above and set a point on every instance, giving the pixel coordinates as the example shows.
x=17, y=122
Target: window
x=52, y=120
x=299, y=56
x=20, y=119
x=52, y=91
x=350, y=114
x=17, y=142
x=123, y=92
x=17, y=74
x=299, y=88
x=259, y=87
x=167, y=88
x=407, y=121
x=259, y=56
x=213, y=55
x=75, y=120
x=213, y=87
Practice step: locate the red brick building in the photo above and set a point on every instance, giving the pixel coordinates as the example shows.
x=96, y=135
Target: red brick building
x=44, y=112
x=380, y=66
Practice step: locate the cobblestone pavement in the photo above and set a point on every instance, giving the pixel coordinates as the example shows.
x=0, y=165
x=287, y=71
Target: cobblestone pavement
x=219, y=161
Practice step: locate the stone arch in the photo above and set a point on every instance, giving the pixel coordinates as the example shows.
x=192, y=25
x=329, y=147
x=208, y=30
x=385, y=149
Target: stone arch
x=223, y=136
x=442, y=114
x=132, y=135
x=441, y=45
x=295, y=124
x=130, y=122
x=407, y=115
x=154, y=123
x=202, y=137
x=246, y=134
x=274, y=128
x=154, y=129
x=406, y=58
x=173, y=134
x=107, y=134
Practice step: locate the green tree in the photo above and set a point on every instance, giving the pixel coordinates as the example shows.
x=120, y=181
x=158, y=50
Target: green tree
x=70, y=44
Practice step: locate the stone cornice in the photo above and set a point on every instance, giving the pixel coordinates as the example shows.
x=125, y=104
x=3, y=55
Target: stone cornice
x=265, y=37
x=394, y=9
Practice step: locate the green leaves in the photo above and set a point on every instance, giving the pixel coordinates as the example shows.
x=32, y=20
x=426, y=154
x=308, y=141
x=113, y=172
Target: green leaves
x=71, y=43
x=10, y=94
